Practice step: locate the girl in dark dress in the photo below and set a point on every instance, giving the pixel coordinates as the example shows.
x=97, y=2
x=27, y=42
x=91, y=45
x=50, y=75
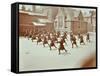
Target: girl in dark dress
x=74, y=41
x=62, y=46
x=88, y=37
x=39, y=40
x=82, y=40
x=45, y=41
x=52, y=44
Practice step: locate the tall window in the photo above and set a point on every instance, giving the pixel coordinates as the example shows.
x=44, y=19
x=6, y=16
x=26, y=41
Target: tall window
x=60, y=21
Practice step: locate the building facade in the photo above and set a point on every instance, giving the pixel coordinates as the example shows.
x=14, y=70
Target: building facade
x=63, y=20
x=59, y=19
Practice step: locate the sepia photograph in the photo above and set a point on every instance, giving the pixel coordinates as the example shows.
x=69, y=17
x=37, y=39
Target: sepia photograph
x=56, y=37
